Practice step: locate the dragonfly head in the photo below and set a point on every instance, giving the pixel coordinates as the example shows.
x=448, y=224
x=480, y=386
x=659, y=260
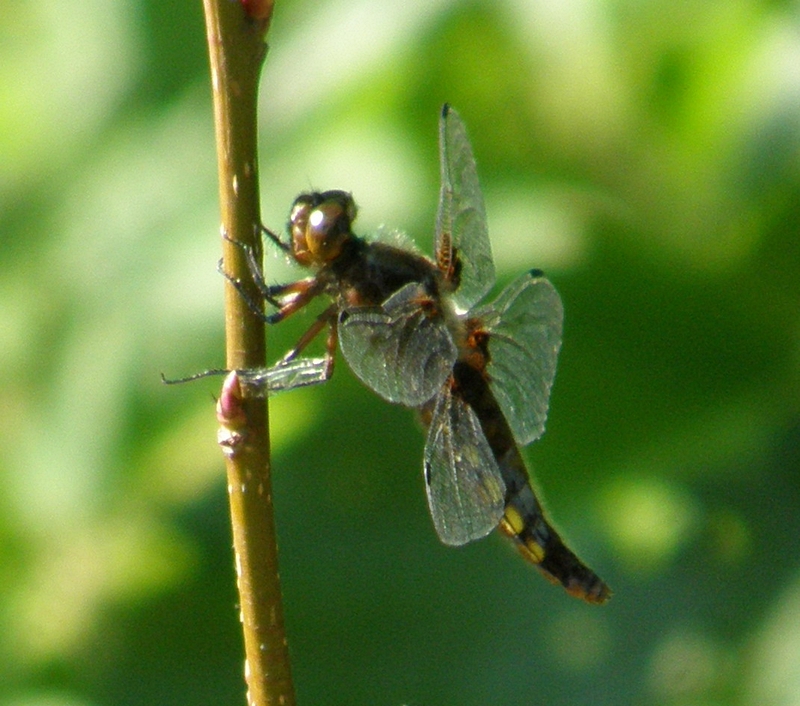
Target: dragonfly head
x=320, y=224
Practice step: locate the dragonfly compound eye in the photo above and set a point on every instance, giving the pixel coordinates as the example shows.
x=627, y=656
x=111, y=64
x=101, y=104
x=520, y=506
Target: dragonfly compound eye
x=327, y=229
x=298, y=222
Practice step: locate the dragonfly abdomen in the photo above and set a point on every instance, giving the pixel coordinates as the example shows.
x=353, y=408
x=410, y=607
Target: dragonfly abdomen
x=523, y=519
x=524, y=522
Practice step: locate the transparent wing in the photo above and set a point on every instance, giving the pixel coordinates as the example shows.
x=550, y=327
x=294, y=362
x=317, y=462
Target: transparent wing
x=399, y=349
x=299, y=372
x=463, y=251
x=465, y=489
x=524, y=325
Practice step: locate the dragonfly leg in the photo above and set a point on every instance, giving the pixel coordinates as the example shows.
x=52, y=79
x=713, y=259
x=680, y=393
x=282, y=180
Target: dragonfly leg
x=304, y=290
x=326, y=318
x=291, y=371
x=295, y=295
x=275, y=238
x=255, y=270
x=301, y=292
x=330, y=346
x=238, y=285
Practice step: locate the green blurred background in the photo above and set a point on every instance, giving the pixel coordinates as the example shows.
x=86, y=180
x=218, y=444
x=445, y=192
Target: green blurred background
x=646, y=155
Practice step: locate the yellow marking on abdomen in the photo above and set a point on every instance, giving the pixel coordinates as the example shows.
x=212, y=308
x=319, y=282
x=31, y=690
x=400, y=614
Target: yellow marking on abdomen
x=513, y=524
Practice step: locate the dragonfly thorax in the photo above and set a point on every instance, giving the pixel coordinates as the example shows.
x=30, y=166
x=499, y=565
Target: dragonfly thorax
x=369, y=272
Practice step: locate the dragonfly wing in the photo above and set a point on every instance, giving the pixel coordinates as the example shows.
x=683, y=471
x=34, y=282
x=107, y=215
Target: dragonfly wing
x=525, y=324
x=466, y=491
x=463, y=250
x=299, y=372
x=399, y=349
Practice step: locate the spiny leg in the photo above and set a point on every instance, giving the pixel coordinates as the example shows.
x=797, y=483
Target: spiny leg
x=292, y=371
x=255, y=270
x=301, y=293
x=275, y=238
x=326, y=318
x=304, y=290
x=288, y=299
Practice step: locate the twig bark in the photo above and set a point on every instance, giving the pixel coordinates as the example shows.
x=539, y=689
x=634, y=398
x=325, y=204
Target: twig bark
x=236, y=34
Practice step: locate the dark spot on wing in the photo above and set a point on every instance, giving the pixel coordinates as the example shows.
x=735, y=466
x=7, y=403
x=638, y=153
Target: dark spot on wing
x=456, y=268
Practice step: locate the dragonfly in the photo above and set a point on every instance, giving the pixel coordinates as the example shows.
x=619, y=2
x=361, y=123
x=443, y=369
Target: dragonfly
x=413, y=329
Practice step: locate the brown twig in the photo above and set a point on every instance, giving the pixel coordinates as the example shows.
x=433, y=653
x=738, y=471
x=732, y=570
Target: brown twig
x=236, y=34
